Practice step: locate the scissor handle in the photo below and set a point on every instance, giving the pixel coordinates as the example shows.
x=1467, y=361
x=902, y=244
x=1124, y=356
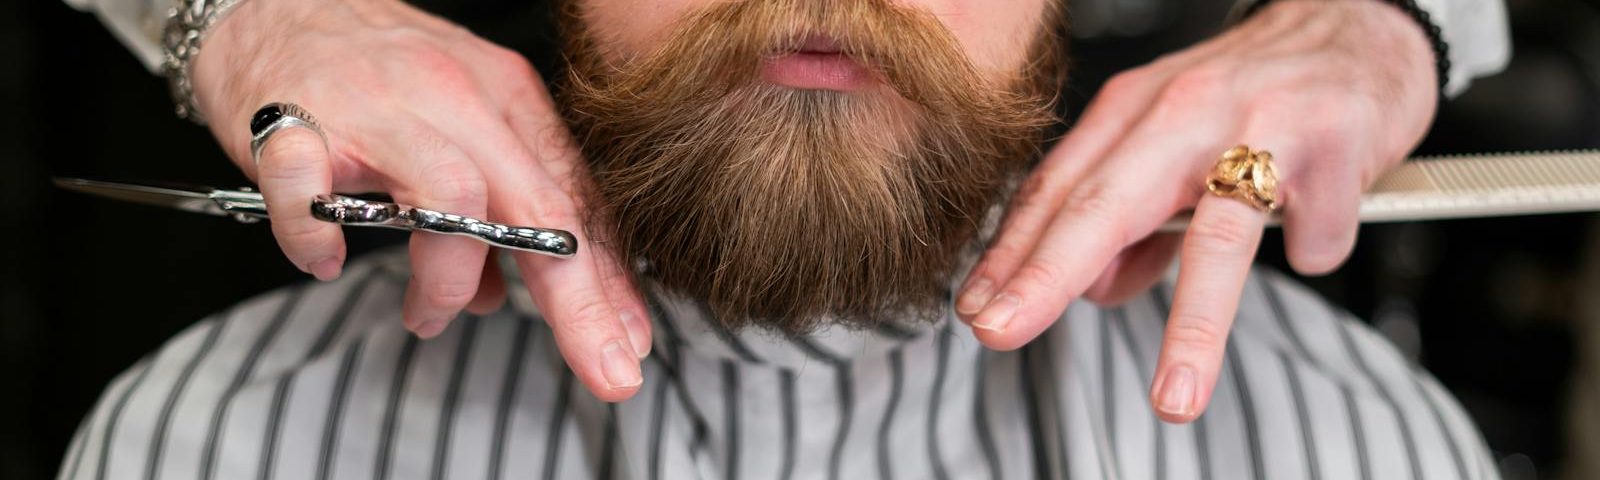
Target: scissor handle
x=354, y=211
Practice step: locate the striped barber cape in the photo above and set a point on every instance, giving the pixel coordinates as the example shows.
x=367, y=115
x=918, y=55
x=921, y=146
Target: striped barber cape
x=322, y=381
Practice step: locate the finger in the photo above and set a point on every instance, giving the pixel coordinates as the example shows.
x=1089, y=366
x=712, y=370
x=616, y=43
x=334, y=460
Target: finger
x=531, y=114
x=1320, y=224
x=548, y=138
x=589, y=329
x=1320, y=233
x=592, y=330
x=294, y=167
x=491, y=289
x=619, y=286
x=1216, y=255
x=1117, y=204
x=429, y=171
x=1136, y=269
x=1120, y=105
x=445, y=272
x=1122, y=101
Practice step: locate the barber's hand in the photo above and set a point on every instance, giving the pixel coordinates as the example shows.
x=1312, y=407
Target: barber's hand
x=1337, y=91
x=421, y=109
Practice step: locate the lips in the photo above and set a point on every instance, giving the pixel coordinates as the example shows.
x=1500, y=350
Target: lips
x=818, y=63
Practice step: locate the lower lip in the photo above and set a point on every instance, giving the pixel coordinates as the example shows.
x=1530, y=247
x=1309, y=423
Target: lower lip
x=817, y=71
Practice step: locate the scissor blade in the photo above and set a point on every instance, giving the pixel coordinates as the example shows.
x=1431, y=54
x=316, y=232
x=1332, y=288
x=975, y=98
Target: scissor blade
x=188, y=199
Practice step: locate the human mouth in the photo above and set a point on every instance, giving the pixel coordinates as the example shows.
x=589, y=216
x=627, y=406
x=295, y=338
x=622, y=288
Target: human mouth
x=818, y=63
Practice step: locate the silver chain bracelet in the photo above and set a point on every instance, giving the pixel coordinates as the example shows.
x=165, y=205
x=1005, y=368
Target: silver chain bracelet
x=187, y=25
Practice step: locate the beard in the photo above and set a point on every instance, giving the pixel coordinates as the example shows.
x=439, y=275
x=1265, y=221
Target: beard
x=791, y=209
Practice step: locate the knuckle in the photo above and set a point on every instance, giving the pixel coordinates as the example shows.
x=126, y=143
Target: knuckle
x=424, y=53
x=588, y=315
x=556, y=145
x=1338, y=122
x=552, y=206
x=1091, y=200
x=430, y=58
x=613, y=277
x=1200, y=82
x=1095, y=202
x=532, y=104
x=291, y=153
x=1196, y=332
x=449, y=293
x=456, y=183
x=1034, y=194
x=1041, y=273
x=440, y=68
x=1125, y=83
x=423, y=141
x=591, y=308
x=1326, y=144
x=1224, y=234
x=512, y=63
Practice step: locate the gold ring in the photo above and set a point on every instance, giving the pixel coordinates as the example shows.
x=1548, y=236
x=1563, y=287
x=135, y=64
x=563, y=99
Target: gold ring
x=1247, y=175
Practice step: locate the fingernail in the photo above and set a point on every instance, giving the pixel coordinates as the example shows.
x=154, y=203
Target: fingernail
x=999, y=312
x=976, y=296
x=326, y=269
x=636, y=336
x=620, y=368
x=1177, y=393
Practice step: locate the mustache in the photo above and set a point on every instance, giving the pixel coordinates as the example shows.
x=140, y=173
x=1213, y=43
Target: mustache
x=784, y=207
x=722, y=47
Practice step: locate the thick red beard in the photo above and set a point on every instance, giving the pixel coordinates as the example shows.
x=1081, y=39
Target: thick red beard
x=788, y=208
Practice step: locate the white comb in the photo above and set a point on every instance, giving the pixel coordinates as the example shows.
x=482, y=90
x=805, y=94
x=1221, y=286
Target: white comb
x=1464, y=186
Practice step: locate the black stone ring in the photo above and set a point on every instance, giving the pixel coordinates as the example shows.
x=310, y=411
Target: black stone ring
x=278, y=116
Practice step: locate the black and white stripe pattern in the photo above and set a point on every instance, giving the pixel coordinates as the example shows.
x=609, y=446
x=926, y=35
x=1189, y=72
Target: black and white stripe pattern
x=321, y=381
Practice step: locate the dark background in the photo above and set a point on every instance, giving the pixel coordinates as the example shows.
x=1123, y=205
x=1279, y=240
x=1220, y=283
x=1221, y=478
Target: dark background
x=1498, y=309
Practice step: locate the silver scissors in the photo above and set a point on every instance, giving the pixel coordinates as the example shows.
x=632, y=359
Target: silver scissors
x=246, y=205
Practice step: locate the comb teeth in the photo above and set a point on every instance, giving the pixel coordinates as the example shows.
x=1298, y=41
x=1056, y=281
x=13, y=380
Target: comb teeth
x=1486, y=186
x=1493, y=172
x=1464, y=186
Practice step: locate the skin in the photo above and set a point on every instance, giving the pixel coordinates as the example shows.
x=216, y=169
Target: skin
x=420, y=108
x=1338, y=90
x=987, y=29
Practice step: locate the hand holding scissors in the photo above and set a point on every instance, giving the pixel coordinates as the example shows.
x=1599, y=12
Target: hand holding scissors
x=247, y=206
x=429, y=113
